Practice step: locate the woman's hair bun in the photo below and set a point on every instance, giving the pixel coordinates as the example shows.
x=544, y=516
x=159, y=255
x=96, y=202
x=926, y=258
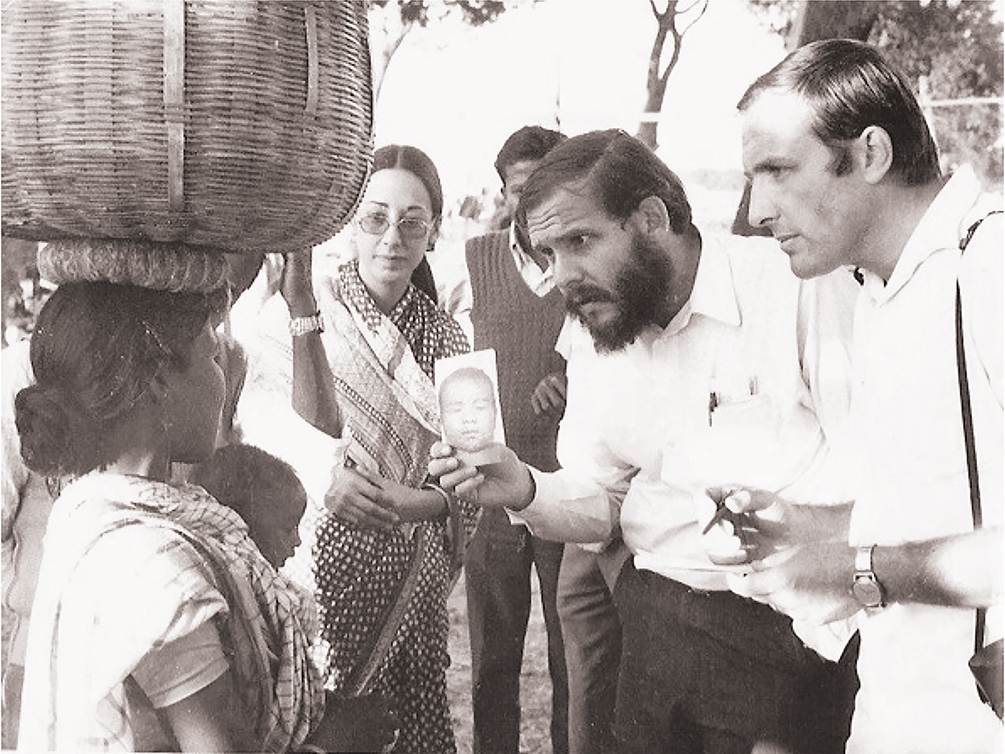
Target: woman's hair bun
x=52, y=427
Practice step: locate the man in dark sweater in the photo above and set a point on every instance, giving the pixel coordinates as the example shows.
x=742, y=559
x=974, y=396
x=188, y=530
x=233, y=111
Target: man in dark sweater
x=518, y=312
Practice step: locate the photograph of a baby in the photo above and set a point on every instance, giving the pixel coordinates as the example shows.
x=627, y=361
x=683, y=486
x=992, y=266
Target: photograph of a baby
x=469, y=407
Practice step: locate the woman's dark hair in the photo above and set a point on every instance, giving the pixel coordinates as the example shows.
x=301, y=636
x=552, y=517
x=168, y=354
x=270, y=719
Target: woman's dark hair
x=95, y=351
x=416, y=162
x=422, y=278
x=237, y=475
x=850, y=86
x=617, y=170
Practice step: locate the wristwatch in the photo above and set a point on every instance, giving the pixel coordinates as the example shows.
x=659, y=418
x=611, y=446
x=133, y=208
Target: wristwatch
x=304, y=325
x=866, y=587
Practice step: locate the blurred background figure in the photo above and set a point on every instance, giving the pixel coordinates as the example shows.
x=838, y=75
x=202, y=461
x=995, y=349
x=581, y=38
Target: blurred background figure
x=517, y=311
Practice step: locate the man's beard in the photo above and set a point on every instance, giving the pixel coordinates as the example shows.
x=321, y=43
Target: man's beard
x=641, y=286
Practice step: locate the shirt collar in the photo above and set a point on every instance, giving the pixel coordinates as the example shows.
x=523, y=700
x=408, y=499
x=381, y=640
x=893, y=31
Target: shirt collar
x=712, y=294
x=540, y=281
x=942, y=226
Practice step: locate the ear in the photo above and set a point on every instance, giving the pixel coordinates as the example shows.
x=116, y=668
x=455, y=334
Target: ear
x=651, y=215
x=433, y=235
x=875, y=150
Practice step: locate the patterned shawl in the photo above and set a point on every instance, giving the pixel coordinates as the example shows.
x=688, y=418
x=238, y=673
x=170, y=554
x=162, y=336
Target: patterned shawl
x=132, y=564
x=367, y=387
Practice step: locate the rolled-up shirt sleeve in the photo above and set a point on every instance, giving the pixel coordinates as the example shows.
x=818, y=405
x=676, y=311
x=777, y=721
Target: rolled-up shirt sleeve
x=580, y=502
x=567, y=508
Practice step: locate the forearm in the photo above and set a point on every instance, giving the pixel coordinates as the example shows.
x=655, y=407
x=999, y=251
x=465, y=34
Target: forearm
x=963, y=570
x=565, y=508
x=825, y=523
x=422, y=504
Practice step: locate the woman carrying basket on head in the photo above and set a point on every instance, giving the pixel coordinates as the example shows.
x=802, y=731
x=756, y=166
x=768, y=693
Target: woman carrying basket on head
x=388, y=549
x=157, y=624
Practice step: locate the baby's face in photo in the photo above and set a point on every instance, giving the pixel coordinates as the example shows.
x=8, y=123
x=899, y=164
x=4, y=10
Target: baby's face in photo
x=468, y=411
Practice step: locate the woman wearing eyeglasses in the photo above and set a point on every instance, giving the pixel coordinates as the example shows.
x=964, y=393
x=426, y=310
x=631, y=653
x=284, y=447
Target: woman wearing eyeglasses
x=387, y=549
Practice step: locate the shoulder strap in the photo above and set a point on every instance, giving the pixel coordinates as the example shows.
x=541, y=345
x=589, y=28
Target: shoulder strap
x=968, y=427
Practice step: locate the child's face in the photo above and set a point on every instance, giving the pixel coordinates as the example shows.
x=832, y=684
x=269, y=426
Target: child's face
x=275, y=526
x=468, y=412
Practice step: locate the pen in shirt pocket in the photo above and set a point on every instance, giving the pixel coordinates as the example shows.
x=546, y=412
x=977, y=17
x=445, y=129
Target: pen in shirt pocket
x=720, y=397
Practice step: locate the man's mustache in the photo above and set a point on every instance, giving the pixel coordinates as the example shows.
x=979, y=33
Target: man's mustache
x=580, y=295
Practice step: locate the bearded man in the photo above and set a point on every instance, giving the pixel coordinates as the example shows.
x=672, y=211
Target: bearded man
x=693, y=365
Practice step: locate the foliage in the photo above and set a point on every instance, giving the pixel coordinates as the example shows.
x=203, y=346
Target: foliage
x=392, y=20
x=475, y=12
x=952, y=52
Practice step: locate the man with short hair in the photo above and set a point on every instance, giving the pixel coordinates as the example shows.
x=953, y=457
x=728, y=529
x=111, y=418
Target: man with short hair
x=845, y=173
x=517, y=312
x=696, y=363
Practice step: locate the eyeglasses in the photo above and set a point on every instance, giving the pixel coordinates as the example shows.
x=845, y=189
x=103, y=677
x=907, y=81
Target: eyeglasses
x=410, y=228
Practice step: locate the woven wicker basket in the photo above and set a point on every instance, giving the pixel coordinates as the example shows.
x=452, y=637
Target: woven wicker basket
x=234, y=124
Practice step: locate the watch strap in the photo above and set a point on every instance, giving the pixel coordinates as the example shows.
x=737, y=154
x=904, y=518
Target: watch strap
x=303, y=325
x=863, y=561
x=866, y=588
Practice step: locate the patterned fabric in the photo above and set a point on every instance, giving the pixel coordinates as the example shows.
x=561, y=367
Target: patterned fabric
x=382, y=595
x=134, y=564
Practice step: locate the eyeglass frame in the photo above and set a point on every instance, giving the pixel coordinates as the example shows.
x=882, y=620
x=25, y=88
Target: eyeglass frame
x=427, y=225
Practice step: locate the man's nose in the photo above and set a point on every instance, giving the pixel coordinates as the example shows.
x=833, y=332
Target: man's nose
x=760, y=207
x=564, y=271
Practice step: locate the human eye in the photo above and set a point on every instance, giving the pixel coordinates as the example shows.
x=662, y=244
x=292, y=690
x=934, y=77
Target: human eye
x=374, y=222
x=774, y=170
x=413, y=225
x=577, y=241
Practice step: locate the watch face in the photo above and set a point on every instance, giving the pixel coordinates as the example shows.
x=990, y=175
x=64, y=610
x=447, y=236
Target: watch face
x=867, y=591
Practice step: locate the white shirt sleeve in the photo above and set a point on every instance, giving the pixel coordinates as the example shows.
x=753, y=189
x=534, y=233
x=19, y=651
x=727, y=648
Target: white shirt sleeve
x=581, y=501
x=182, y=667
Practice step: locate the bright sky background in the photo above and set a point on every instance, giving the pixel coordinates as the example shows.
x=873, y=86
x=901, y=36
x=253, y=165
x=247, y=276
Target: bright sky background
x=459, y=93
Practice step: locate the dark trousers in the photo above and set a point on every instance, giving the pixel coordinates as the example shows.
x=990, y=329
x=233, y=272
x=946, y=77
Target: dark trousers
x=592, y=633
x=497, y=580
x=714, y=672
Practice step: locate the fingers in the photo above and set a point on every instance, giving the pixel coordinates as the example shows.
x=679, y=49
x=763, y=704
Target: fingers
x=448, y=469
x=378, y=491
x=463, y=479
x=547, y=400
x=550, y=395
x=749, y=500
x=355, y=498
x=368, y=515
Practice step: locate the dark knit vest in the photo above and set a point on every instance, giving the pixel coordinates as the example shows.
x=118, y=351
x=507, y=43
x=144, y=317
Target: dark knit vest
x=522, y=328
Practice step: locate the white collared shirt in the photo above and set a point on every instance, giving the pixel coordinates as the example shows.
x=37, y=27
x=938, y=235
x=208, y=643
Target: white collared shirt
x=917, y=694
x=539, y=281
x=641, y=436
